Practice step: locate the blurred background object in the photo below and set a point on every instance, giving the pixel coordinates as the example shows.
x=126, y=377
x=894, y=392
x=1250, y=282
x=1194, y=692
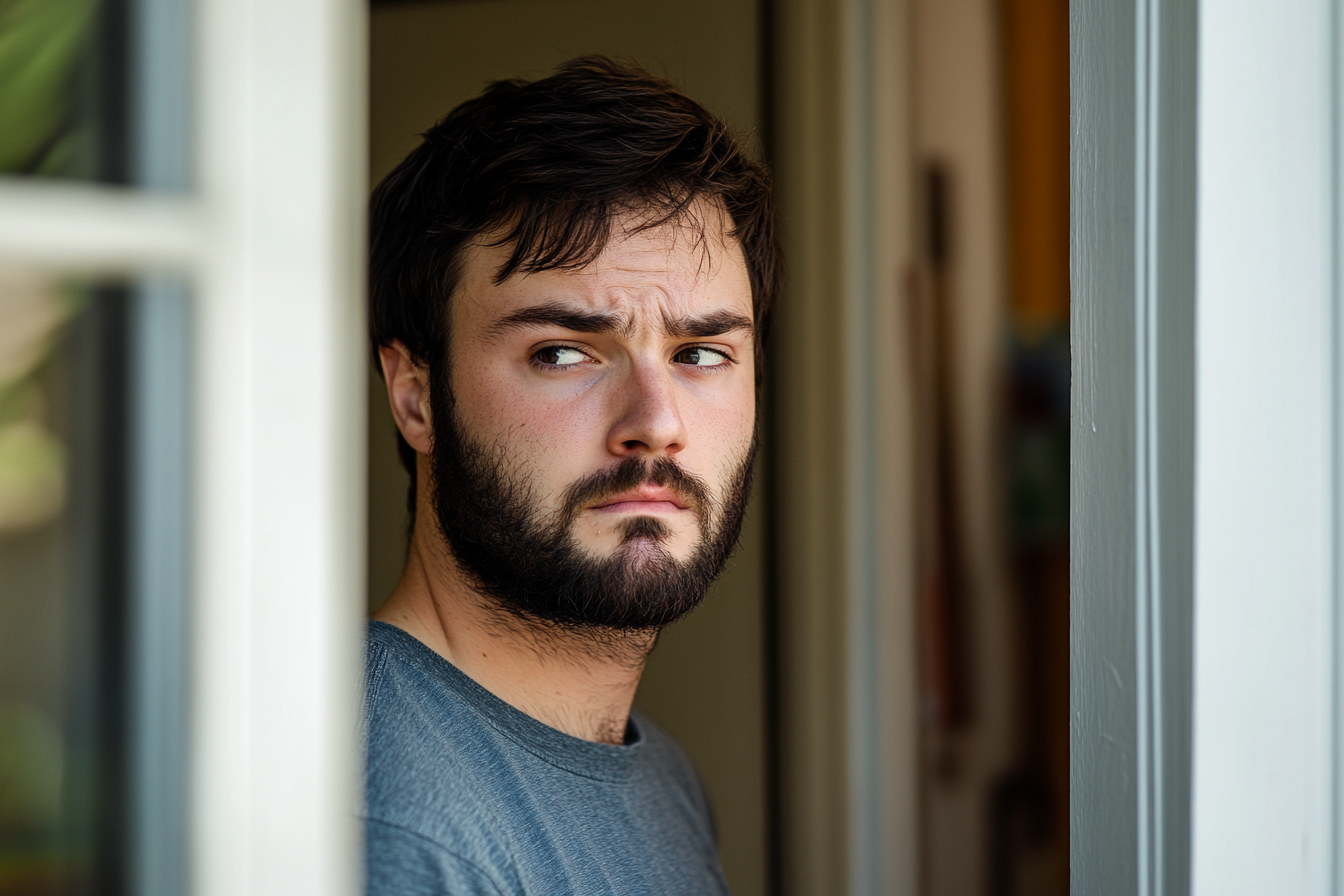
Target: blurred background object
x=62, y=86
x=992, y=348
x=91, y=592
x=63, y=518
x=32, y=458
x=91, y=585
x=62, y=422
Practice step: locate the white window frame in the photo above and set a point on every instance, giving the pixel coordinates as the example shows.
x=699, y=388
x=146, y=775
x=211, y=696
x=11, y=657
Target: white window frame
x=270, y=240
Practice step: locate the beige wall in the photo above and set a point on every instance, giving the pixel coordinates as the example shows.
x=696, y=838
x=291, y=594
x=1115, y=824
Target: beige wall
x=704, y=681
x=959, y=123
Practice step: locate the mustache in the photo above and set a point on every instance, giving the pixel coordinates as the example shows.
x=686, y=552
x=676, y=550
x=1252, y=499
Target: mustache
x=633, y=472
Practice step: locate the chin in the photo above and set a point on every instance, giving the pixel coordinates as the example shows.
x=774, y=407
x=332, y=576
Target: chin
x=642, y=552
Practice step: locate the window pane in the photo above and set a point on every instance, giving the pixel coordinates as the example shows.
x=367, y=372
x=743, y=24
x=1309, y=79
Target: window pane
x=91, y=596
x=95, y=90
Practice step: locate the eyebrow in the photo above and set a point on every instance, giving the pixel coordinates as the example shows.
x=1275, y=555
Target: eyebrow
x=557, y=315
x=716, y=323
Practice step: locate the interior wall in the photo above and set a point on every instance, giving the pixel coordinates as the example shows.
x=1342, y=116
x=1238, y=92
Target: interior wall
x=704, y=681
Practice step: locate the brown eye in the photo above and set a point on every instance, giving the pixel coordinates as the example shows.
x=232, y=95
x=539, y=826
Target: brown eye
x=699, y=356
x=560, y=356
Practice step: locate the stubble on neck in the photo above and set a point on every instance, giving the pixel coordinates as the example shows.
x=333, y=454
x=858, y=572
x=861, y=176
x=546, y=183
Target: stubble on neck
x=578, y=679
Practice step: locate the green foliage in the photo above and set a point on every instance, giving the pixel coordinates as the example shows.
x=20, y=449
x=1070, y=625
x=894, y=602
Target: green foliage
x=42, y=43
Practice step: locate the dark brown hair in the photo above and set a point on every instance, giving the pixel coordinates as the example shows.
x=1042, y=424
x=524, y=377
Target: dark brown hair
x=548, y=165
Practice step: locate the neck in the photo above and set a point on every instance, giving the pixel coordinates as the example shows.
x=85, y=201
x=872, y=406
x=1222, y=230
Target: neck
x=580, y=681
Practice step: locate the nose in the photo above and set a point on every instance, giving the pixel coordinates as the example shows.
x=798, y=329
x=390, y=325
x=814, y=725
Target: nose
x=648, y=418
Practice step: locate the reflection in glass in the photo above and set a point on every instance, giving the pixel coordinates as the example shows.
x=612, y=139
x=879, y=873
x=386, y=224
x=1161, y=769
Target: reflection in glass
x=74, y=688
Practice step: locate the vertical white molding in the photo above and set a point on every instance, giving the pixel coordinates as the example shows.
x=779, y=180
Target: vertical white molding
x=1263, y=764
x=1336, y=302
x=278, y=472
x=882, y=648
x=1133, y=232
x=1104, y=521
x=219, y=750
x=849, y=712
x=1145, y=437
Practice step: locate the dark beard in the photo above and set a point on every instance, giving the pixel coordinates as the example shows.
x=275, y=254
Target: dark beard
x=535, y=569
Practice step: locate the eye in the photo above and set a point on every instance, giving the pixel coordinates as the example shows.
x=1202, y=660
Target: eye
x=699, y=356
x=560, y=356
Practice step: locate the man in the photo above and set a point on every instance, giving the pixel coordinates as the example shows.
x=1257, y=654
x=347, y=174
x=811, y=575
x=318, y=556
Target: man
x=570, y=280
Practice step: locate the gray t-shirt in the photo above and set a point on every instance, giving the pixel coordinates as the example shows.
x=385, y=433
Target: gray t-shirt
x=467, y=795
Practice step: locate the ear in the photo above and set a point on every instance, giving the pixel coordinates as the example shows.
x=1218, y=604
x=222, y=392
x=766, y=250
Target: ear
x=408, y=393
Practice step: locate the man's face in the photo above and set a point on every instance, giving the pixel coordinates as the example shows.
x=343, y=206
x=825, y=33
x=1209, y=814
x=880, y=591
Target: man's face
x=595, y=460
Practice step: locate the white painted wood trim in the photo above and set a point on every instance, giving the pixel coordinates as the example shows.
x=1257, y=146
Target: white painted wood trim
x=90, y=227
x=278, y=497
x=844, y=447
x=1264, y=740
x=1264, y=790
x=882, y=679
x=1132, y=444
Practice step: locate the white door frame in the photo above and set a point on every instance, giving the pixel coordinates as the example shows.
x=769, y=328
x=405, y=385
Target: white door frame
x=1206, y=285
x=1132, y=491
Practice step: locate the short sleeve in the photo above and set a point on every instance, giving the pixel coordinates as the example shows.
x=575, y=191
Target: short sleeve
x=399, y=862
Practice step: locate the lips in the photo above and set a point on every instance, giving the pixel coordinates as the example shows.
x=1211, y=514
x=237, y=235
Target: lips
x=637, y=487
x=647, y=498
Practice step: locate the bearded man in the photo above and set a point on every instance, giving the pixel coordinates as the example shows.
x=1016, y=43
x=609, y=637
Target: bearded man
x=570, y=280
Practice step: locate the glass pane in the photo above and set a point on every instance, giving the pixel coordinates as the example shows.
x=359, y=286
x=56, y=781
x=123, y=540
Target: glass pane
x=91, y=587
x=95, y=90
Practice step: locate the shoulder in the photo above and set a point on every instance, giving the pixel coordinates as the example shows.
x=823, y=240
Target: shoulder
x=663, y=750
x=402, y=862
x=402, y=698
x=405, y=688
x=424, y=747
x=669, y=761
x=661, y=746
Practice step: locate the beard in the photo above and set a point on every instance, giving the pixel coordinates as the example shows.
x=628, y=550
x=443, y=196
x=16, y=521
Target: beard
x=530, y=563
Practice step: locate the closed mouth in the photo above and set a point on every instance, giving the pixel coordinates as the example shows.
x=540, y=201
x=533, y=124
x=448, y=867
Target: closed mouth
x=647, y=498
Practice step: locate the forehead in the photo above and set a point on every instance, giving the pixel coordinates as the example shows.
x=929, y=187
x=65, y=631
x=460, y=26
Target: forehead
x=677, y=268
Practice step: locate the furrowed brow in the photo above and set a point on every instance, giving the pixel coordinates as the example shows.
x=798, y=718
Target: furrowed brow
x=557, y=315
x=715, y=324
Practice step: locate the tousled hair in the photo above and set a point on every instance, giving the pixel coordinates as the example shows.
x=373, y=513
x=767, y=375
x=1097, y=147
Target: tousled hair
x=545, y=167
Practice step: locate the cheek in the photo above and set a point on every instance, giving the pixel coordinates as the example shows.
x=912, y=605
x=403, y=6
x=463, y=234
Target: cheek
x=720, y=429
x=557, y=434
x=551, y=419
x=721, y=433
